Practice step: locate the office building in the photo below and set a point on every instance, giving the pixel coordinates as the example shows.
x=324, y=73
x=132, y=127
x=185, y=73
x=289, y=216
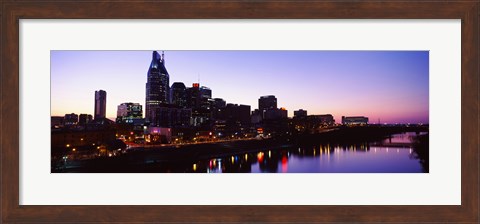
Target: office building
x=217, y=108
x=300, y=113
x=84, y=119
x=170, y=116
x=157, y=86
x=193, y=96
x=70, y=119
x=100, y=104
x=205, y=97
x=129, y=112
x=178, y=93
x=275, y=114
x=266, y=103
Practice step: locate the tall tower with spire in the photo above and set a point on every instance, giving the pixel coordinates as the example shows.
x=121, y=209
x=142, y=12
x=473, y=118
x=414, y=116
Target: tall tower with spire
x=157, y=87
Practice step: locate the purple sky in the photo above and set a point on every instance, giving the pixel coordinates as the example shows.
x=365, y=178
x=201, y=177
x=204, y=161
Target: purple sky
x=388, y=85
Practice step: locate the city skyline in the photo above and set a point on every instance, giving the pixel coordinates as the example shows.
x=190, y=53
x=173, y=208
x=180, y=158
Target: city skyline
x=390, y=86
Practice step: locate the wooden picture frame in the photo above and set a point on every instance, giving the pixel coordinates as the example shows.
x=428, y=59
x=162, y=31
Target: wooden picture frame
x=12, y=11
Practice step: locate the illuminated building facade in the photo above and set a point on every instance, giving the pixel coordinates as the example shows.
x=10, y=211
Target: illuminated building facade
x=357, y=120
x=157, y=87
x=129, y=112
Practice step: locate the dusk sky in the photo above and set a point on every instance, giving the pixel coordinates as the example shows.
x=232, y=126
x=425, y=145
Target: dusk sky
x=392, y=86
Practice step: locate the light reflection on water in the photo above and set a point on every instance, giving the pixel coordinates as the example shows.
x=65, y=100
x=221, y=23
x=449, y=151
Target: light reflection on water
x=393, y=155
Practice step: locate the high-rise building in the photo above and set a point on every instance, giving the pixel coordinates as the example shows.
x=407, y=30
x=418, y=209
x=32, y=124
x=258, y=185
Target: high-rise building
x=193, y=96
x=267, y=102
x=179, y=94
x=219, y=103
x=205, y=92
x=157, y=86
x=218, y=108
x=100, y=104
x=205, y=97
x=199, y=97
x=169, y=116
x=128, y=112
x=237, y=118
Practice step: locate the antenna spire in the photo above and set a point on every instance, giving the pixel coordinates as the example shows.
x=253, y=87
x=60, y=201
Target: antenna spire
x=163, y=57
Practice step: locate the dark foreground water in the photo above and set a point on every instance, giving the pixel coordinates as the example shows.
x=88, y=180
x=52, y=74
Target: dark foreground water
x=397, y=154
x=400, y=153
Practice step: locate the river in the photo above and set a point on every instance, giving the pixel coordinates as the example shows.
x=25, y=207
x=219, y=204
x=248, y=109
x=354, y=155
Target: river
x=392, y=155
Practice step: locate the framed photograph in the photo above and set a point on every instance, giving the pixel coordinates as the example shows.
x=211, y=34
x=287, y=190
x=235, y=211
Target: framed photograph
x=239, y=111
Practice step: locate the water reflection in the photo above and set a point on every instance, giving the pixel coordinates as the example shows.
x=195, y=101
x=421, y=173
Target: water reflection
x=392, y=155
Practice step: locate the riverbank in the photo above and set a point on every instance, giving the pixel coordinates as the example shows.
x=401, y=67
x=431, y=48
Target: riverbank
x=146, y=159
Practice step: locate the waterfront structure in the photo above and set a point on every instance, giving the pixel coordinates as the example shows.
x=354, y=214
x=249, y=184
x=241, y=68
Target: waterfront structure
x=311, y=123
x=158, y=135
x=157, y=87
x=100, y=105
x=356, y=120
x=129, y=112
x=70, y=119
x=70, y=139
x=300, y=113
x=178, y=93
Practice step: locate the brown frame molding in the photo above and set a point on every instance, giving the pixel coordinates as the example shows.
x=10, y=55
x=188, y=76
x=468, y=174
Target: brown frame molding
x=12, y=11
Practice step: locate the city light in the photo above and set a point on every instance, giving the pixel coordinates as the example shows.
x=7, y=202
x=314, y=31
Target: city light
x=186, y=123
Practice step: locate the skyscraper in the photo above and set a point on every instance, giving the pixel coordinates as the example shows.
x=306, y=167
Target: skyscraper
x=179, y=94
x=193, y=96
x=100, y=104
x=157, y=86
x=266, y=103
